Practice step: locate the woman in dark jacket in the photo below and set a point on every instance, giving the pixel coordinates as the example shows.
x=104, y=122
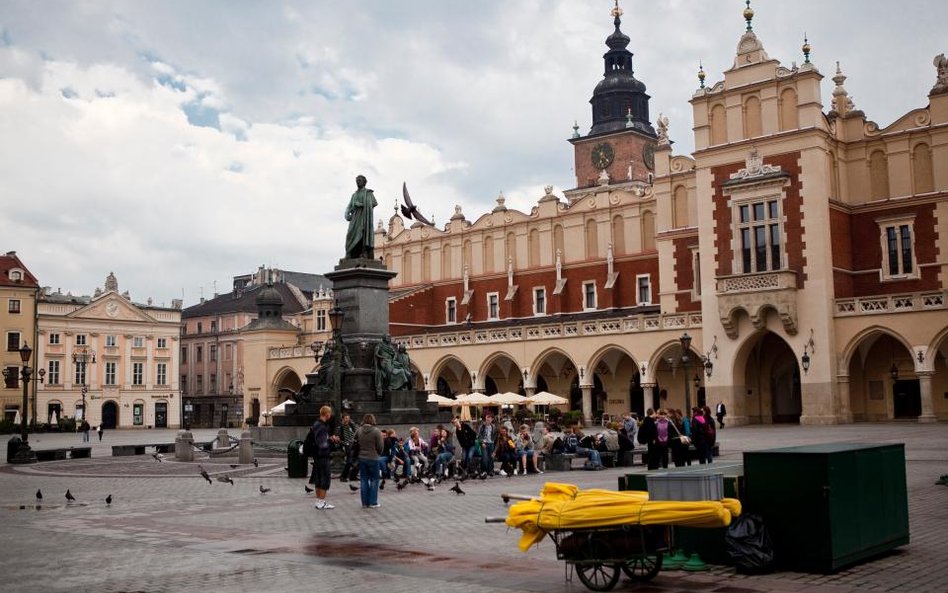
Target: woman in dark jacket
x=646, y=437
x=370, y=446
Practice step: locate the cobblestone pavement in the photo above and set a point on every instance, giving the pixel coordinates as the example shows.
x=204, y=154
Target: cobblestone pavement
x=167, y=529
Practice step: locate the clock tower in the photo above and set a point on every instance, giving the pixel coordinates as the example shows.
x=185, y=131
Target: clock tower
x=620, y=145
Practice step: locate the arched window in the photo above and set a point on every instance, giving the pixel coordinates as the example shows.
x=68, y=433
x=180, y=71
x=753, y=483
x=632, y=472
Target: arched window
x=878, y=175
x=469, y=255
x=592, y=239
x=426, y=264
x=618, y=235
x=718, y=125
x=511, y=250
x=922, y=169
x=533, y=247
x=753, y=126
x=489, y=254
x=648, y=231
x=788, y=110
x=447, y=267
x=406, y=267
x=388, y=261
x=680, y=207
x=558, y=242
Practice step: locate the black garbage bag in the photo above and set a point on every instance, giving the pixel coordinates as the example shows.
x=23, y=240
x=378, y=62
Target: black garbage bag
x=749, y=545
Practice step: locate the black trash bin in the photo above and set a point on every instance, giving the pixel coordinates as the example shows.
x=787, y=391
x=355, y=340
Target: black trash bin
x=297, y=464
x=13, y=446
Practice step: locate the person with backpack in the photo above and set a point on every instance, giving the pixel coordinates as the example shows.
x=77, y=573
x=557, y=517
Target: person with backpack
x=699, y=434
x=646, y=437
x=665, y=432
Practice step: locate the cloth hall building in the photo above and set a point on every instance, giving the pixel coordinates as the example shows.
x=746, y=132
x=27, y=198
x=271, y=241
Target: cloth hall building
x=801, y=247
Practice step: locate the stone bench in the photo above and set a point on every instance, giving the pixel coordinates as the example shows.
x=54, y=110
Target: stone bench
x=63, y=453
x=558, y=462
x=139, y=449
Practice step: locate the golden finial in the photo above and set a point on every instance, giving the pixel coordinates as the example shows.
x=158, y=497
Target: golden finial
x=806, y=50
x=701, y=74
x=616, y=12
x=748, y=14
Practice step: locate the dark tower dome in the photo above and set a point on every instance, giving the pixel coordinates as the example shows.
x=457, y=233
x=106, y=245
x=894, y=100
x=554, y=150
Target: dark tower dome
x=269, y=303
x=619, y=93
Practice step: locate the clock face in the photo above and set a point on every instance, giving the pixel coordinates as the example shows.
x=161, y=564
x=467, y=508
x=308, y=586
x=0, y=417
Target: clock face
x=648, y=156
x=602, y=155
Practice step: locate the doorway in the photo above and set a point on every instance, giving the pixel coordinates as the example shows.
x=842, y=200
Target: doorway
x=906, y=399
x=161, y=414
x=109, y=415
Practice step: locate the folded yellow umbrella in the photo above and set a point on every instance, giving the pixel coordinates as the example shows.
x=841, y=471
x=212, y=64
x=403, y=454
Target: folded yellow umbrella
x=565, y=506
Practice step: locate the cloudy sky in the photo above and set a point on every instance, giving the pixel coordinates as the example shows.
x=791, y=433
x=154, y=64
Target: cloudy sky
x=180, y=143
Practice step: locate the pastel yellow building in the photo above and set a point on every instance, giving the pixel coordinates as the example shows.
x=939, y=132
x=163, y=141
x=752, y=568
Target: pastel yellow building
x=18, y=290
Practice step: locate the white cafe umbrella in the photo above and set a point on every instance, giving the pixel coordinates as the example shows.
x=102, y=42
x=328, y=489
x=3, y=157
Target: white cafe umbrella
x=476, y=399
x=545, y=398
x=509, y=398
x=442, y=401
x=280, y=409
x=54, y=418
x=16, y=419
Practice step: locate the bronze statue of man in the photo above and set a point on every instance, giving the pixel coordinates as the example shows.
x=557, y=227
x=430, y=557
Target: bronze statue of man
x=360, y=238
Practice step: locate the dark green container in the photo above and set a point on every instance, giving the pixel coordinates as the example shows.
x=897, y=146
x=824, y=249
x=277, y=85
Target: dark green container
x=297, y=464
x=829, y=506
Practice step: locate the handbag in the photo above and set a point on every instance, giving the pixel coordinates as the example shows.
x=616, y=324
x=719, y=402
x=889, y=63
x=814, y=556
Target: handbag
x=684, y=440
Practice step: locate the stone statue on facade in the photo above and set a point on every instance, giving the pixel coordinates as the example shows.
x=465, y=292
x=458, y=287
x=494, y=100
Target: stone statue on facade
x=334, y=359
x=360, y=238
x=941, y=83
x=384, y=360
x=402, y=376
x=662, y=129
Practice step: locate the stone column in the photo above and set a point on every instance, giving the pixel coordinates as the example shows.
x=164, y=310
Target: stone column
x=844, y=411
x=223, y=441
x=925, y=387
x=587, y=404
x=184, y=446
x=648, y=395
x=245, y=450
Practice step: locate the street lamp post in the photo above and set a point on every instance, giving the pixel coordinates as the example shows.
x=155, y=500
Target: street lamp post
x=24, y=454
x=82, y=358
x=685, y=341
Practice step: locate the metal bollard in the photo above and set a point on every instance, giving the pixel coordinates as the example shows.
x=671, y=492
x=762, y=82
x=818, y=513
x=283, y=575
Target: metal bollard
x=245, y=449
x=184, y=446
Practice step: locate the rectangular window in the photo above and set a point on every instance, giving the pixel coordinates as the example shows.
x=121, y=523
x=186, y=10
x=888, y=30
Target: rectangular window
x=644, y=289
x=11, y=377
x=213, y=327
x=110, y=372
x=52, y=377
x=138, y=375
x=320, y=320
x=161, y=374
x=184, y=384
x=696, y=271
x=54, y=339
x=13, y=341
x=138, y=414
x=212, y=353
x=212, y=384
x=198, y=354
x=493, y=305
x=184, y=355
x=138, y=342
x=14, y=307
x=229, y=383
x=200, y=327
x=228, y=352
x=898, y=250
x=80, y=376
x=760, y=231
x=451, y=310
x=199, y=388
x=110, y=341
x=162, y=342
x=539, y=301
x=589, y=296
x=80, y=339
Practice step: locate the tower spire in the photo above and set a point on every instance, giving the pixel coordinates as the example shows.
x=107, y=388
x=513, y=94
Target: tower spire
x=749, y=15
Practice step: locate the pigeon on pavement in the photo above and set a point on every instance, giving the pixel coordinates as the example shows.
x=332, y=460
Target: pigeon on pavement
x=457, y=489
x=234, y=466
x=39, y=495
x=157, y=456
x=255, y=464
x=69, y=495
x=263, y=490
x=205, y=475
x=108, y=499
x=226, y=480
x=353, y=488
x=307, y=489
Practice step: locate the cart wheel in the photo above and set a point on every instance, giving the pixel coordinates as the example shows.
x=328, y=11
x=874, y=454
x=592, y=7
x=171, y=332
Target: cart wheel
x=598, y=576
x=643, y=567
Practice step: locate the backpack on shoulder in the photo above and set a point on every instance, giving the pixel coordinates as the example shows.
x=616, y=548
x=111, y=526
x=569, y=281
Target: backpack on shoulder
x=709, y=433
x=661, y=430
